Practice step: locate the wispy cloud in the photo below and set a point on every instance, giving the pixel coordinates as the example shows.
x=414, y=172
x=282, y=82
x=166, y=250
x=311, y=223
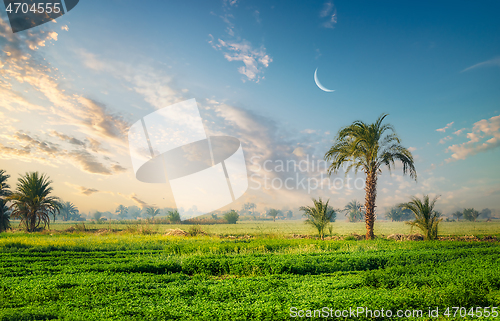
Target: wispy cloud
x=254, y=60
x=492, y=62
x=236, y=48
x=445, y=127
x=330, y=13
x=485, y=135
x=135, y=199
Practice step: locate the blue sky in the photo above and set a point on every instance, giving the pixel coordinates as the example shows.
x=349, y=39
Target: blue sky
x=434, y=67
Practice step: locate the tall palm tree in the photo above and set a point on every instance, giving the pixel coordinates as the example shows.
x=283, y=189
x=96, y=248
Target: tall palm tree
x=354, y=211
x=426, y=218
x=368, y=147
x=318, y=215
x=31, y=201
x=68, y=210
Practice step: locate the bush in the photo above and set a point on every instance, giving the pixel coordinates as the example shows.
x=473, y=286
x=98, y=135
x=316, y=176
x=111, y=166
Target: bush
x=231, y=217
x=195, y=230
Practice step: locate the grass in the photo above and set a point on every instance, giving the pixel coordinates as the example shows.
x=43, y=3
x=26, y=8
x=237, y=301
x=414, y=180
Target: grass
x=287, y=228
x=136, y=274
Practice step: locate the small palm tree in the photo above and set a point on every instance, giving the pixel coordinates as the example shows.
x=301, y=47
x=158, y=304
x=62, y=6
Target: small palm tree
x=152, y=211
x=354, y=211
x=318, y=215
x=368, y=147
x=68, y=210
x=426, y=218
x=31, y=201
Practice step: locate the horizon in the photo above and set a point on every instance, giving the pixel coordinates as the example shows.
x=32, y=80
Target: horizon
x=256, y=71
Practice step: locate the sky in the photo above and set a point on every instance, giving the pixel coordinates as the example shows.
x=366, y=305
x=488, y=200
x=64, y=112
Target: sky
x=70, y=89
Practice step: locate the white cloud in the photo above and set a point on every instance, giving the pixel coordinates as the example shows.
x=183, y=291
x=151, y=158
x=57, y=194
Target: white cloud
x=492, y=62
x=330, y=13
x=445, y=127
x=254, y=60
x=485, y=136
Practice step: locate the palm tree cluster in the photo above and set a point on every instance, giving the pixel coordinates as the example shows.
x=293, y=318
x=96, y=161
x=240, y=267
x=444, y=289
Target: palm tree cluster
x=31, y=201
x=368, y=147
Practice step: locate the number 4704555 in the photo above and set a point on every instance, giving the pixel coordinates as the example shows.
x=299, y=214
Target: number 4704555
x=22, y=7
x=472, y=312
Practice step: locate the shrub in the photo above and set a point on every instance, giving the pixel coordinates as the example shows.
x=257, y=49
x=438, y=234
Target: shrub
x=231, y=217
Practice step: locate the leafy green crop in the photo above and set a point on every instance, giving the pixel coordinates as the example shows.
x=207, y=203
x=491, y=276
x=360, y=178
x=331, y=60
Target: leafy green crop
x=140, y=277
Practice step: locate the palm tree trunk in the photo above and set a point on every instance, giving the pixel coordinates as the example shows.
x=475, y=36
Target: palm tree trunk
x=370, y=196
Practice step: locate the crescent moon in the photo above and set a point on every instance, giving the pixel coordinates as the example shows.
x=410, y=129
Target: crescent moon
x=320, y=86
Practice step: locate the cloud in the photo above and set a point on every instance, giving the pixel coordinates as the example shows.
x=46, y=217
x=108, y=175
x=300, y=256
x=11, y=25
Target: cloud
x=492, y=62
x=485, y=136
x=412, y=149
x=445, y=127
x=443, y=140
x=71, y=140
x=89, y=163
x=330, y=13
x=254, y=60
x=88, y=191
x=235, y=48
x=135, y=199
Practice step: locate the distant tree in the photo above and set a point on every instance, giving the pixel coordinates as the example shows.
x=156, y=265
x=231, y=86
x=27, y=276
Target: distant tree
x=458, y=215
x=426, y=218
x=4, y=210
x=289, y=214
x=249, y=208
x=394, y=214
x=214, y=216
x=174, y=217
x=398, y=214
x=354, y=211
x=68, y=211
x=31, y=201
x=122, y=211
x=231, y=217
x=370, y=148
x=471, y=214
x=134, y=212
x=273, y=213
x=97, y=215
x=485, y=213
x=318, y=215
x=152, y=211
x=4, y=216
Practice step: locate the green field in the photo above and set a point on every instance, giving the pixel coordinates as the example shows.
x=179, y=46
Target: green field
x=131, y=276
x=287, y=228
